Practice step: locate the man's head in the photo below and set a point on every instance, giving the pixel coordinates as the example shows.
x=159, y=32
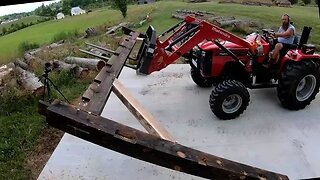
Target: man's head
x=285, y=21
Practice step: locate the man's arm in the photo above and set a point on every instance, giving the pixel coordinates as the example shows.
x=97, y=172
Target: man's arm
x=288, y=33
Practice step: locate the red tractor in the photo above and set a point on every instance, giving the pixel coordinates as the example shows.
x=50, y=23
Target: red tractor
x=232, y=64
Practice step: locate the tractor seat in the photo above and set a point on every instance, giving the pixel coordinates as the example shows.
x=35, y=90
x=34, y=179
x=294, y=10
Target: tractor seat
x=295, y=43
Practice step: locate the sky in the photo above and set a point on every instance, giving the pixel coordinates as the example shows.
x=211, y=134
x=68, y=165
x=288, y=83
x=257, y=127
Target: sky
x=5, y=10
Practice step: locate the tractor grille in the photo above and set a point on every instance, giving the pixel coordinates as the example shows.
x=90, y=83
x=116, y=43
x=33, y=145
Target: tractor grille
x=205, y=62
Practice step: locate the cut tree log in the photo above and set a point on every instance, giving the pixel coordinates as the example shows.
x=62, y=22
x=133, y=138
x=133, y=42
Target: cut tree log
x=28, y=57
x=29, y=81
x=21, y=64
x=54, y=45
x=92, y=64
x=5, y=71
x=228, y=23
x=73, y=68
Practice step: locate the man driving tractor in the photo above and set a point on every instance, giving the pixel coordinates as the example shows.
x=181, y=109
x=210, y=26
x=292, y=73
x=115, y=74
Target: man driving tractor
x=285, y=37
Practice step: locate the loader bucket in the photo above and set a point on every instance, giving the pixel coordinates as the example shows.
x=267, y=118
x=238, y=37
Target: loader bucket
x=146, y=52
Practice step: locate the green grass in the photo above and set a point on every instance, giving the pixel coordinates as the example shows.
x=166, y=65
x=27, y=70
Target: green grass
x=21, y=124
x=25, y=20
x=43, y=33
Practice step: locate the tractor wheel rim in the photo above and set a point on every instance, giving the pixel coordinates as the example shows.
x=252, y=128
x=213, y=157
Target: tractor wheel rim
x=306, y=87
x=232, y=103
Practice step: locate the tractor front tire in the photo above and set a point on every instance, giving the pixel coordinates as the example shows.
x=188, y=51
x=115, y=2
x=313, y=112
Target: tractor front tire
x=299, y=84
x=200, y=80
x=229, y=99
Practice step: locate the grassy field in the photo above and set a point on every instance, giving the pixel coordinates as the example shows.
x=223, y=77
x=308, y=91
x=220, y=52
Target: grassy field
x=25, y=20
x=21, y=125
x=161, y=13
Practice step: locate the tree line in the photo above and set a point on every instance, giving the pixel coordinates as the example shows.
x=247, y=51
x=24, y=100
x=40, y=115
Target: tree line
x=17, y=26
x=65, y=6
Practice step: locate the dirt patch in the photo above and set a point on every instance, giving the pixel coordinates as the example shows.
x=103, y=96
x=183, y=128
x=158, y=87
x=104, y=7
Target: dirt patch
x=45, y=146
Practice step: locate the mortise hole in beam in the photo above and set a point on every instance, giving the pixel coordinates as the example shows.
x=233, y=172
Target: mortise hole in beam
x=125, y=136
x=181, y=154
x=262, y=177
x=219, y=162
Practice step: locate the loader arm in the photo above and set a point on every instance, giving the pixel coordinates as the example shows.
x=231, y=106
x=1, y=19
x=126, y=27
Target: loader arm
x=184, y=37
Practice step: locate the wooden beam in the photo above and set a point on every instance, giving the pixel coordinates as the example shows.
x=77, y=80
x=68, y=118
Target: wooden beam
x=143, y=116
x=147, y=147
x=95, y=101
x=101, y=48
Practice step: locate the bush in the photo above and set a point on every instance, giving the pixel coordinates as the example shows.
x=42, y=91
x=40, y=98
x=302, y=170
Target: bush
x=14, y=100
x=306, y=1
x=293, y=1
x=65, y=35
x=25, y=46
x=301, y=3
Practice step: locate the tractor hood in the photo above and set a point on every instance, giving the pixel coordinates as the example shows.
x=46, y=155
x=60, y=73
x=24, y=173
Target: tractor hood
x=209, y=46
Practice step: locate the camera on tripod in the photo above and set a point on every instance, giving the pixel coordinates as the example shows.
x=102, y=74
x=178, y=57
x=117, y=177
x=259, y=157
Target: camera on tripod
x=47, y=81
x=47, y=67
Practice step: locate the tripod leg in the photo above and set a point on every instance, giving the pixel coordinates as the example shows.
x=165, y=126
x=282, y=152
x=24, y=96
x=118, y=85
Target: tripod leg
x=57, y=90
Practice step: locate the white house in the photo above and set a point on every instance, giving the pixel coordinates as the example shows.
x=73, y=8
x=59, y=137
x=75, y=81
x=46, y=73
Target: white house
x=77, y=11
x=60, y=15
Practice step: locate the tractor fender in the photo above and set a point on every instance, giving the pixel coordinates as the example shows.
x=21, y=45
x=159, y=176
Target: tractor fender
x=297, y=56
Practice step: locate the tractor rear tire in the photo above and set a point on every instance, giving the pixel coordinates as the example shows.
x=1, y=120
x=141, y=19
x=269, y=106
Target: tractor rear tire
x=229, y=99
x=299, y=84
x=200, y=80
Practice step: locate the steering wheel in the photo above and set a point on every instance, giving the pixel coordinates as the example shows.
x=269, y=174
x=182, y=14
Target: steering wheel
x=268, y=35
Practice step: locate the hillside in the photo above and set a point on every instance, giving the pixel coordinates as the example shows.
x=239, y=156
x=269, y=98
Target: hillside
x=161, y=19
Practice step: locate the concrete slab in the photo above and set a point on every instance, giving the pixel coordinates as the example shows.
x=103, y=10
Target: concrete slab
x=266, y=135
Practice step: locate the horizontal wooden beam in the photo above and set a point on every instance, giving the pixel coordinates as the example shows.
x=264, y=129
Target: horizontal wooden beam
x=143, y=116
x=147, y=147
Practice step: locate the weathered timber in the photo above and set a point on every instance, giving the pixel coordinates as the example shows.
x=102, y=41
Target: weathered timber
x=147, y=147
x=21, y=64
x=92, y=64
x=106, y=59
x=106, y=77
x=101, y=48
x=29, y=81
x=113, y=29
x=143, y=116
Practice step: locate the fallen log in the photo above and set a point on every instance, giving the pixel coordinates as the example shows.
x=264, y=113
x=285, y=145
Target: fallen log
x=92, y=64
x=29, y=81
x=227, y=23
x=73, y=68
x=54, y=45
x=28, y=57
x=178, y=16
x=5, y=72
x=21, y=64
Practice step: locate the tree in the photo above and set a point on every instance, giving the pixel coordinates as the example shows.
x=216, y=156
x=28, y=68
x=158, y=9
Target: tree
x=4, y=30
x=306, y=1
x=293, y=1
x=122, y=6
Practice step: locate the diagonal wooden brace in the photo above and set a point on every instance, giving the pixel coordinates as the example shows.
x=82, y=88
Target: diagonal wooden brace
x=147, y=147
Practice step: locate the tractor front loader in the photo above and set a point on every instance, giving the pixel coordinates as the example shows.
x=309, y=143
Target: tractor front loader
x=233, y=64
x=217, y=57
